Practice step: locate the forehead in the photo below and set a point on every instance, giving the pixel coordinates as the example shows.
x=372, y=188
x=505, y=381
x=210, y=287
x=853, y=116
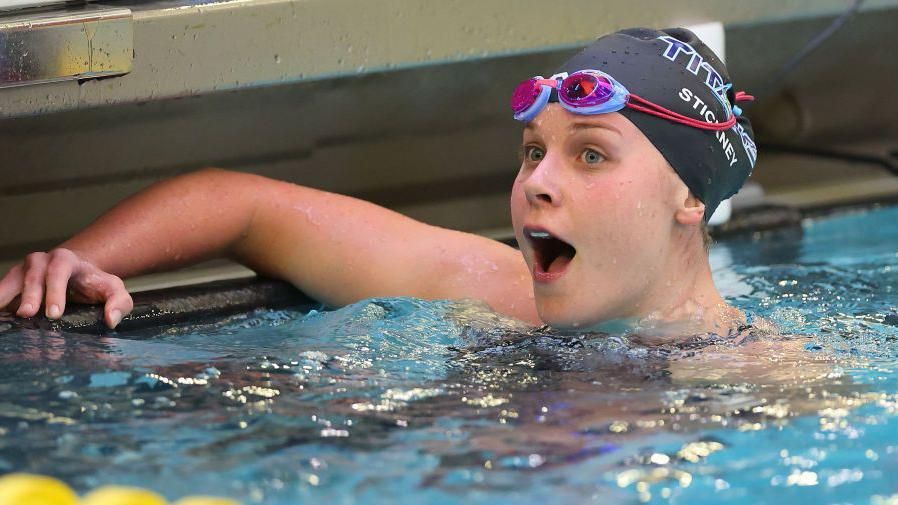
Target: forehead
x=556, y=120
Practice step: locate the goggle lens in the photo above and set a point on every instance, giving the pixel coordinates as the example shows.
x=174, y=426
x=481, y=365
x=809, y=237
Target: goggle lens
x=525, y=95
x=582, y=89
x=595, y=92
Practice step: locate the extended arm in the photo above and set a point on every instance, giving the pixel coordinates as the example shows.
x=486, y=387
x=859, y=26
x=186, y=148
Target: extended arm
x=336, y=248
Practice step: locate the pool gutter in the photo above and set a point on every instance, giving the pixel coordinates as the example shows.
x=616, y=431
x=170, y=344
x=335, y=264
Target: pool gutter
x=185, y=304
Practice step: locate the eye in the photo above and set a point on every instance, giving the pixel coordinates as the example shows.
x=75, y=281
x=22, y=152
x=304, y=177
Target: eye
x=591, y=156
x=534, y=154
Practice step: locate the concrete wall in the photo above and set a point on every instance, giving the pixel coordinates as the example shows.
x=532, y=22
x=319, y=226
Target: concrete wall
x=434, y=141
x=185, y=47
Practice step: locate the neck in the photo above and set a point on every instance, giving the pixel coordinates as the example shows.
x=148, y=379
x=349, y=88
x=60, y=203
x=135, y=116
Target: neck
x=686, y=303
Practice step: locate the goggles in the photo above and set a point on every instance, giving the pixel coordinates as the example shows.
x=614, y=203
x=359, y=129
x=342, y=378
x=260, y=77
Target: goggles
x=595, y=92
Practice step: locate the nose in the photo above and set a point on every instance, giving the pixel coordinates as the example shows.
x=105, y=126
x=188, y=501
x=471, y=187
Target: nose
x=541, y=186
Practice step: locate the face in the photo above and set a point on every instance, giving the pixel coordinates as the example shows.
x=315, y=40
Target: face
x=593, y=208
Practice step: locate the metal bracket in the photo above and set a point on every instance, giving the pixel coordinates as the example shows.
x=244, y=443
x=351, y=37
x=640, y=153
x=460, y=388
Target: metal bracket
x=82, y=43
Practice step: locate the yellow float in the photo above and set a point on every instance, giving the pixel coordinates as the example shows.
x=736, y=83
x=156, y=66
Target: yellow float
x=28, y=489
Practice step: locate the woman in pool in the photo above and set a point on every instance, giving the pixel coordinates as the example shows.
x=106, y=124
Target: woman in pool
x=627, y=150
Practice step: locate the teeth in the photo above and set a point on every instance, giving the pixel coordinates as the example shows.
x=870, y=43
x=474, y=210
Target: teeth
x=539, y=234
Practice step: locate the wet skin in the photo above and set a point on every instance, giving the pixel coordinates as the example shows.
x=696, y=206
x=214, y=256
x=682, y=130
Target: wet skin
x=595, y=182
x=598, y=184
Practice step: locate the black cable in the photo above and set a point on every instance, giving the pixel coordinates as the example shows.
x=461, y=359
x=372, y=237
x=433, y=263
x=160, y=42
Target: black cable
x=809, y=48
x=888, y=162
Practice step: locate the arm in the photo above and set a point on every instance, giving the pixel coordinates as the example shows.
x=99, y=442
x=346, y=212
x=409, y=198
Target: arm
x=336, y=248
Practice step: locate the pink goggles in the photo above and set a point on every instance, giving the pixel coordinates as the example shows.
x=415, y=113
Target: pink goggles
x=595, y=92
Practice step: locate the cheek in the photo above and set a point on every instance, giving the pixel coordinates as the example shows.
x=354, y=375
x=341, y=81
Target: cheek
x=608, y=202
x=518, y=201
x=630, y=197
x=628, y=217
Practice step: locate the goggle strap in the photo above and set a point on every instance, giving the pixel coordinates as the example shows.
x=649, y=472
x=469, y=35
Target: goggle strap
x=656, y=110
x=664, y=113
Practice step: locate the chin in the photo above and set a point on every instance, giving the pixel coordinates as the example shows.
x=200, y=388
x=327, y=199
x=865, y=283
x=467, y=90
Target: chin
x=567, y=316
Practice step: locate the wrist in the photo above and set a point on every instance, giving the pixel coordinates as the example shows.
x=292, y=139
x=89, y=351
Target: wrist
x=81, y=253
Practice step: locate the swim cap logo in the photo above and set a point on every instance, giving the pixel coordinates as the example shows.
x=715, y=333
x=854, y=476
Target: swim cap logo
x=750, y=148
x=715, y=83
x=713, y=79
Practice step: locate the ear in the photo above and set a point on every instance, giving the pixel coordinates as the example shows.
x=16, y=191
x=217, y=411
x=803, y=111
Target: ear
x=692, y=212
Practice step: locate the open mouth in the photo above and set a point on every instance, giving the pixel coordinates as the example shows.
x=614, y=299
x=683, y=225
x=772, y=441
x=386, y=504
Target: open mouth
x=551, y=254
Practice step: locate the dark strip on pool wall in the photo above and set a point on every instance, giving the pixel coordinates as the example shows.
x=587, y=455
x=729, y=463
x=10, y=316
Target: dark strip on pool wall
x=176, y=305
x=204, y=302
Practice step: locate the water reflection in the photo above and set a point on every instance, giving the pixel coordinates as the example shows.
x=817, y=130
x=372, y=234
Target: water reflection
x=481, y=397
x=389, y=401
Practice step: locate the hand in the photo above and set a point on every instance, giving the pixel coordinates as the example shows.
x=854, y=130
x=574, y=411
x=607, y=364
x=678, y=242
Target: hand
x=49, y=276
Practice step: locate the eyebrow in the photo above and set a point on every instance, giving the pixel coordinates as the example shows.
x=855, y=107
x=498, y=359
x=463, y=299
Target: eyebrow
x=578, y=126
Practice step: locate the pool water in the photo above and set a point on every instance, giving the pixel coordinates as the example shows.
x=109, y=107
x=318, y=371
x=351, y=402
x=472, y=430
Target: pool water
x=409, y=401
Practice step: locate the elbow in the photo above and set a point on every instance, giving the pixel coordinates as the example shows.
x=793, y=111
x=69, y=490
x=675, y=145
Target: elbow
x=229, y=177
x=209, y=172
x=221, y=179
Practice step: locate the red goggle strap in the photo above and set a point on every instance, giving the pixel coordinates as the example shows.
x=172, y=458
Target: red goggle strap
x=654, y=109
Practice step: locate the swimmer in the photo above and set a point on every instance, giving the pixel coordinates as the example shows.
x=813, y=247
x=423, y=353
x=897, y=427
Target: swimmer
x=627, y=149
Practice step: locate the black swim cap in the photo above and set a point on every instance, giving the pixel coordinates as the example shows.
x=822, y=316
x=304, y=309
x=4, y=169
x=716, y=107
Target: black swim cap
x=676, y=70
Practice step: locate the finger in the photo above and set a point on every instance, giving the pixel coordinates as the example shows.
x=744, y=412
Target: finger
x=59, y=271
x=11, y=285
x=118, y=306
x=118, y=300
x=33, y=288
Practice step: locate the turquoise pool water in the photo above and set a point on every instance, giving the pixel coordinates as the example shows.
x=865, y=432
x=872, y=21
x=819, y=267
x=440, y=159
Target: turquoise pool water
x=406, y=401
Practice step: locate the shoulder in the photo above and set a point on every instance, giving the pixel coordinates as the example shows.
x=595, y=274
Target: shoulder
x=473, y=267
x=758, y=353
